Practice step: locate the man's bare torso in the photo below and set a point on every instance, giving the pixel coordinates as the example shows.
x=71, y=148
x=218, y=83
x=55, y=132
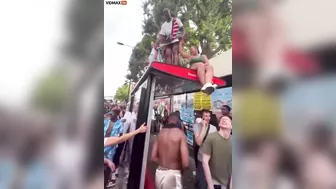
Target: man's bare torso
x=169, y=144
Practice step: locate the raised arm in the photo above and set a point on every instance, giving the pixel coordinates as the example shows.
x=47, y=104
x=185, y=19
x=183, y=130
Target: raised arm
x=111, y=141
x=182, y=52
x=199, y=136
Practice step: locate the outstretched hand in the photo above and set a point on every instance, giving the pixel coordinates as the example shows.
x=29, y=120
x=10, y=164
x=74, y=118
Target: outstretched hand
x=143, y=128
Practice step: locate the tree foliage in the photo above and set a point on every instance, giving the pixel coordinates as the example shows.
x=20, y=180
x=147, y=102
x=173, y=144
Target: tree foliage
x=208, y=24
x=51, y=92
x=122, y=93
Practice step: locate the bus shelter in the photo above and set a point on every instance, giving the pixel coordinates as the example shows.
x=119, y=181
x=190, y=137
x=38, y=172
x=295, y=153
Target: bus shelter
x=159, y=80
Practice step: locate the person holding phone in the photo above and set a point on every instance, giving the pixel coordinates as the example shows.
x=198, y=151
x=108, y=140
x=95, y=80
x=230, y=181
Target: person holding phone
x=201, y=131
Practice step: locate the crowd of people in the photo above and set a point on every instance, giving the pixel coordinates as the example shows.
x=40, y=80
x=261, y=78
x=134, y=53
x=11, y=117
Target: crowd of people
x=117, y=131
x=213, y=154
x=212, y=147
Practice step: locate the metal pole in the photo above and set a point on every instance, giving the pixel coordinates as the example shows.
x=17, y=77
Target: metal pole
x=129, y=91
x=151, y=86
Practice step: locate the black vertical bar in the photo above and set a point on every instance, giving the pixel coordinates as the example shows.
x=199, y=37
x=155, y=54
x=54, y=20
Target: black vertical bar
x=130, y=109
x=139, y=140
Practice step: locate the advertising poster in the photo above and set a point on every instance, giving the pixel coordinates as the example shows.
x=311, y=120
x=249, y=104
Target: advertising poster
x=187, y=115
x=190, y=139
x=179, y=102
x=202, y=101
x=221, y=97
x=190, y=102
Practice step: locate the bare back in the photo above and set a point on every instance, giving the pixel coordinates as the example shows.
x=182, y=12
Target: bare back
x=172, y=148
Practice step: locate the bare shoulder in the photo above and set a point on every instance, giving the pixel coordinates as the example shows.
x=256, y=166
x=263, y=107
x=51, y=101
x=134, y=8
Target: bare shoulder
x=182, y=135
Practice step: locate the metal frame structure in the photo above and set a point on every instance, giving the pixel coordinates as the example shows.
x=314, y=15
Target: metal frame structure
x=153, y=76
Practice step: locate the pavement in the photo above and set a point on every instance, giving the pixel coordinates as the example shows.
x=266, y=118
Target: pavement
x=188, y=178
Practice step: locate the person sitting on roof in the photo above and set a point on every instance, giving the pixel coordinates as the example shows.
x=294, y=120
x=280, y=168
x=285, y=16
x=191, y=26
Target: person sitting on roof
x=201, y=64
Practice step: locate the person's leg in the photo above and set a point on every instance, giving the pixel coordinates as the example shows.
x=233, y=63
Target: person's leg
x=168, y=55
x=116, y=158
x=200, y=68
x=176, y=58
x=208, y=74
x=200, y=177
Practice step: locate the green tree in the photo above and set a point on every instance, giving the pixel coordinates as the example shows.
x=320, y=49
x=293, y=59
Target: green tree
x=51, y=92
x=122, y=93
x=208, y=24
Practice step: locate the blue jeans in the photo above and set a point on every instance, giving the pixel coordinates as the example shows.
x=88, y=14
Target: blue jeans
x=200, y=177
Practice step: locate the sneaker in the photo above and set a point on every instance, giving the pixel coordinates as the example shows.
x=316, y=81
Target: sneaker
x=214, y=86
x=206, y=86
x=111, y=184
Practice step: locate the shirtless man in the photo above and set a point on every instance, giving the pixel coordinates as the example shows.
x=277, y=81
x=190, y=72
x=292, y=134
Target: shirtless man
x=170, y=151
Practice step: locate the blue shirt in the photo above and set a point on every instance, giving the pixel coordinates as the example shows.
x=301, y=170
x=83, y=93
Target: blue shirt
x=106, y=125
x=37, y=177
x=7, y=173
x=118, y=128
x=179, y=124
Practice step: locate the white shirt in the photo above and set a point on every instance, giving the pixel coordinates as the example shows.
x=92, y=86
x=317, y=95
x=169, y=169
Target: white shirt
x=197, y=129
x=128, y=121
x=166, y=30
x=152, y=56
x=153, y=52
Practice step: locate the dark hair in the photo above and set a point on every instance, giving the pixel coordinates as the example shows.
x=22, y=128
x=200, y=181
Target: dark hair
x=115, y=113
x=213, y=120
x=206, y=111
x=173, y=116
x=227, y=107
x=198, y=115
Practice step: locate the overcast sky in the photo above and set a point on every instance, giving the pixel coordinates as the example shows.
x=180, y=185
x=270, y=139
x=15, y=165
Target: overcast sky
x=29, y=43
x=121, y=24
